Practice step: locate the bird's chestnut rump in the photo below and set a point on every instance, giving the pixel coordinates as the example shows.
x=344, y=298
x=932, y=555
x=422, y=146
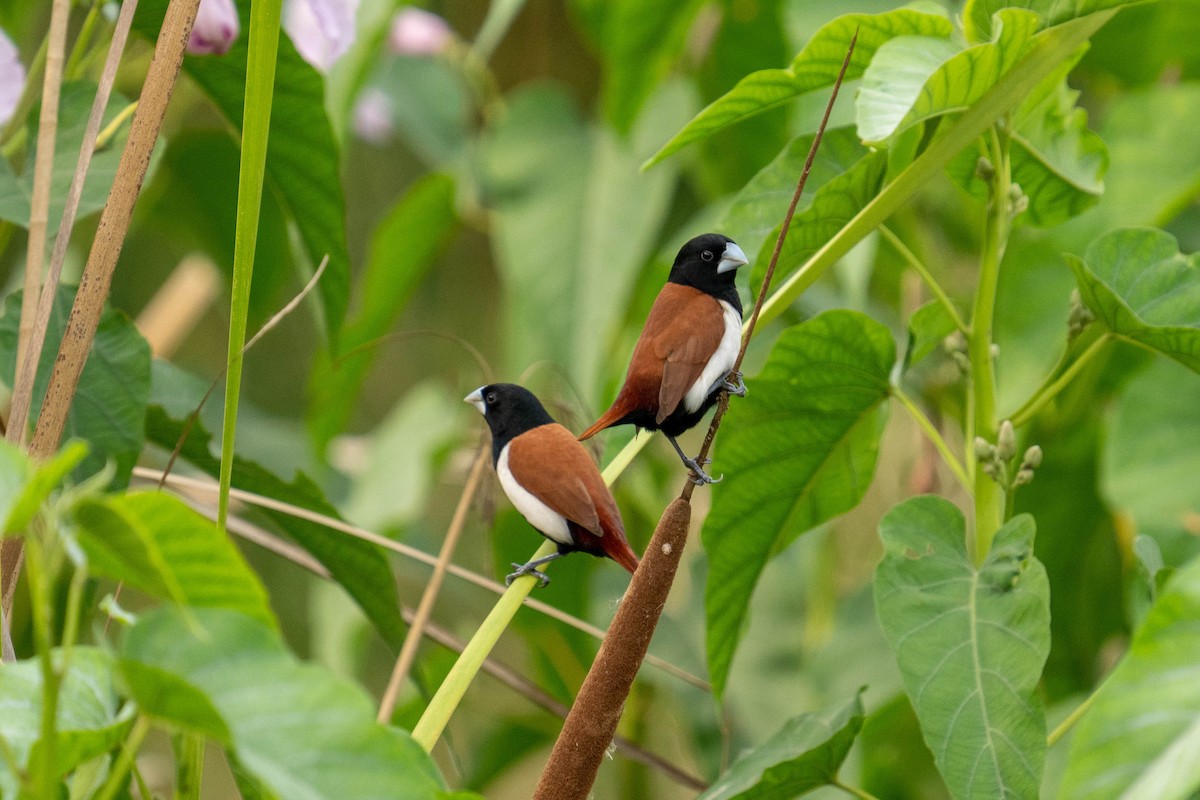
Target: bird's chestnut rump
x=687, y=348
x=550, y=479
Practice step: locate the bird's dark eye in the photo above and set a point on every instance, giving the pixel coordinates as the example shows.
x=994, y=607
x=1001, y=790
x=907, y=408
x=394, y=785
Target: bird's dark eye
x=707, y=255
x=491, y=398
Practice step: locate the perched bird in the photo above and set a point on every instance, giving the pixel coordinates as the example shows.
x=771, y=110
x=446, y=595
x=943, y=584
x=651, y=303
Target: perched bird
x=551, y=479
x=687, y=348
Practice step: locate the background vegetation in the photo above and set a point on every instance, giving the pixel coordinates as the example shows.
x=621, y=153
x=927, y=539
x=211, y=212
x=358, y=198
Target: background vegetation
x=996, y=229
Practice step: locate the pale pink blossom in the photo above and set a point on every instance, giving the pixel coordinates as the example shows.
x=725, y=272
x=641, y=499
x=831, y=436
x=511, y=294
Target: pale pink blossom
x=416, y=32
x=12, y=78
x=373, y=116
x=216, y=29
x=322, y=30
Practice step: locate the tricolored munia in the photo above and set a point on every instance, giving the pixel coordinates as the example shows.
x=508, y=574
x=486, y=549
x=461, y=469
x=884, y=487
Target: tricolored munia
x=688, y=346
x=550, y=479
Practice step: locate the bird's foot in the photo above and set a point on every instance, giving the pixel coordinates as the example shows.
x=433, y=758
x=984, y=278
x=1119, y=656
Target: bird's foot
x=737, y=387
x=699, y=476
x=527, y=569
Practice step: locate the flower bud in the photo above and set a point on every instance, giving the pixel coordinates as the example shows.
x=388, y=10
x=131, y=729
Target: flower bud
x=322, y=30
x=984, y=169
x=373, y=116
x=216, y=28
x=1006, y=441
x=983, y=449
x=417, y=32
x=1033, y=458
x=1024, y=476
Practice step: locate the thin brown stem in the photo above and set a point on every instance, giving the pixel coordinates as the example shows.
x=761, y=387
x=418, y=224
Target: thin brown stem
x=408, y=650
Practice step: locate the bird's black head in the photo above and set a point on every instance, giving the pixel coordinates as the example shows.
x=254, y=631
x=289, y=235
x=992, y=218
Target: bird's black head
x=709, y=262
x=510, y=410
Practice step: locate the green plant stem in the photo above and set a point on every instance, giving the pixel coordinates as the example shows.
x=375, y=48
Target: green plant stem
x=429, y=728
x=79, y=50
x=1051, y=388
x=863, y=794
x=33, y=84
x=10, y=759
x=989, y=505
x=934, y=435
x=110, y=130
x=46, y=778
x=1061, y=730
x=260, y=83
x=189, y=761
x=918, y=267
x=125, y=761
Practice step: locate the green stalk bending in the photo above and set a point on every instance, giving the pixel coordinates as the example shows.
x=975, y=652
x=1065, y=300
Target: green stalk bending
x=1053, y=386
x=256, y=122
x=931, y=431
x=989, y=502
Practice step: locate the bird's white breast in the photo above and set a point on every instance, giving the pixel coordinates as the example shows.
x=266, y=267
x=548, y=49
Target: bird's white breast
x=720, y=362
x=539, y=515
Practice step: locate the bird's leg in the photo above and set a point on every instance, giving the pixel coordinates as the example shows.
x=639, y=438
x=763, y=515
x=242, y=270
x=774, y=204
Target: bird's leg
x=531, y=568
x=737, y=387
x=698, y=476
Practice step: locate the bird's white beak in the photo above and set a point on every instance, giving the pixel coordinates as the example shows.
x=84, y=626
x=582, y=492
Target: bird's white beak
x=732, y=258
x=475, y=398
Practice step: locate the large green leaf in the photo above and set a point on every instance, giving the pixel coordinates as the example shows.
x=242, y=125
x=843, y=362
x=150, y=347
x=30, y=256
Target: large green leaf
x=574, y=223
x=758, y=208
x=109, y=407
x=979, y=22
x=89, y=720
x=359, y=567
x=403, y=249
x=804, y=755
x=916, y=78
x=797, y=451
x=304, y=733
x=1141, y=739
x=74, y=108
x=814, y=68
x=970, y=642
x=155, y=543
x=833, y=205
x=1141, y=287
x=1152, y=457
x=302, y=161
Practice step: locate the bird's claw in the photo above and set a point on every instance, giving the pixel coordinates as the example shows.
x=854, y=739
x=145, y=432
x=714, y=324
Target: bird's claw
x=738, y=387
x=698, y=476
x=527, y=569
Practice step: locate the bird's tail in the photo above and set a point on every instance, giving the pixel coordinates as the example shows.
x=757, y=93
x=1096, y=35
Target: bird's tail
x=607, y=420
x=619, y=551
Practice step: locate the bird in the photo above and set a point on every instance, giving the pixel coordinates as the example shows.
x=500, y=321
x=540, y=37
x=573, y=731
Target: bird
x=551, y=479
x=691, y=339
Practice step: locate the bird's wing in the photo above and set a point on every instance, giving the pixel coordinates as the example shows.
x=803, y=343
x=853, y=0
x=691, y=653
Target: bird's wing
x=556, y=469
x=685, y=342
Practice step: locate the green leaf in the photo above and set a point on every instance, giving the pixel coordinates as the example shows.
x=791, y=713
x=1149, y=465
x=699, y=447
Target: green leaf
x=302, y=162
x=1151, y=458
x=834, y=204
x=24, y=487
x=563, y=193
x=155, y=543
x=798, y=450
x=913, y=79
x=1140, y=740
x=109, y=408
x=404, y=247
x=74, y=108
x=304, y=733
x=814, y=68
x=1141, y=287
x=758, y=208
x=928, y=327
x=978, y=17
x=89, y=722
x=359, y=567
x=804, y=755
x=970, y=642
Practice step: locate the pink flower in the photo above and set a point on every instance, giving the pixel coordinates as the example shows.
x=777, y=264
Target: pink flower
x=216, y=28
x=373, y=116
x=322, y=30
x=416, y=32
x=12, y=78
